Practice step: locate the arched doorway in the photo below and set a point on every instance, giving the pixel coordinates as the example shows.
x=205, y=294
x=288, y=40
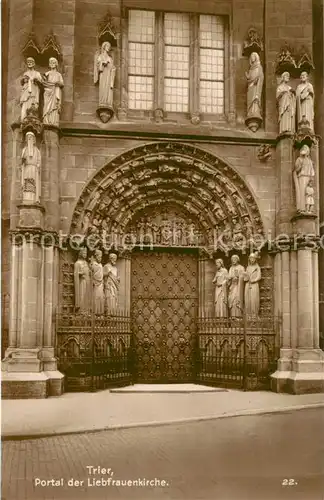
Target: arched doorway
x=166, y=209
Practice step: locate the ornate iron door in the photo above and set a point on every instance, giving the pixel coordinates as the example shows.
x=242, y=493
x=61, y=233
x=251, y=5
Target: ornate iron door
x=164, y=313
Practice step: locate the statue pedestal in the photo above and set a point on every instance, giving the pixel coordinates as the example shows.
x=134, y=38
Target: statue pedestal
x=105, y=113
x=253, y=122
x=31, y=216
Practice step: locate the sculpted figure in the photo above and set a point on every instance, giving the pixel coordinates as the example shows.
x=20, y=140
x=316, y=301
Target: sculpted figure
x=85, y=224
x=111, y=283
x=31, y=81
x=252, y=276
x=309, y=202
x=82, y=282
x=104, y=74
x=31, y=165
x=220, y=281
x=53, y=84
x=286, y=102
x=97, y=283
x=255, y=79
x=305, y=102
x=235, y=291
x=304, y=172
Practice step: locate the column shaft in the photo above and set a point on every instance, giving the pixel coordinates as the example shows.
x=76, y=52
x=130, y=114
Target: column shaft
x=293, y=298
x=285, y=294
x=316, y=299
x=305, y=299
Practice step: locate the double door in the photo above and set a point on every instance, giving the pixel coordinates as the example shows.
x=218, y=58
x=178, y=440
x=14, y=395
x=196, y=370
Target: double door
x=164, y=316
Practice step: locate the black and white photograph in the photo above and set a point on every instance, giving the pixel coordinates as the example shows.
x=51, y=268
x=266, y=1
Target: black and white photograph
x=162, y=249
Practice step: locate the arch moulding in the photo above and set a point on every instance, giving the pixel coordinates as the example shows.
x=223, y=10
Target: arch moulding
x=194, y=186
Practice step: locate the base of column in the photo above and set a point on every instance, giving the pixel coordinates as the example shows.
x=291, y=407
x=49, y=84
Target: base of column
x=301, y=374
x=23, y=385
x=19, y=360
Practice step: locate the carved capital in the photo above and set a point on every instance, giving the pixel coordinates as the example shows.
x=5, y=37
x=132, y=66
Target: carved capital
x=31, y=122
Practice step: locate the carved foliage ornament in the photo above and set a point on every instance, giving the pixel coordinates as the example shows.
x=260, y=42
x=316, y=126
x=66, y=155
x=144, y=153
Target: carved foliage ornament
x=156, y=174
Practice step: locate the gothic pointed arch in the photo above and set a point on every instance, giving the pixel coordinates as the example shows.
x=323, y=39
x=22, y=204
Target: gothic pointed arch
x=153, y=187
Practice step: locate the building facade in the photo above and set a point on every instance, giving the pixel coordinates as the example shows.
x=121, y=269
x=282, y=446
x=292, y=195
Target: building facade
x=146, y=145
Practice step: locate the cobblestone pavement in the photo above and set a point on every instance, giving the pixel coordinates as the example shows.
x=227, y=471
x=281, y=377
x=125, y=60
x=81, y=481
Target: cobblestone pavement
x=232, y=459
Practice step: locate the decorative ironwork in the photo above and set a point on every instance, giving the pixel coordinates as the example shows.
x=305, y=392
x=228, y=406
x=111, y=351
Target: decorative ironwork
x=164, y=304
x=94, y=352
x=237, y=352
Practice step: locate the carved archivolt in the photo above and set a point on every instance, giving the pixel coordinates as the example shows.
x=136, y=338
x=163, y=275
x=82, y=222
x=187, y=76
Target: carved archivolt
x=203, y=191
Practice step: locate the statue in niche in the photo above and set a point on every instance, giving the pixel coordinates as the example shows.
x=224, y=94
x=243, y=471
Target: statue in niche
x=53, y=84
x=255, y=79
x=82, y=291
x=305, y=102
x=111, y=284
x=31, y=166
x=252, y=276
x=104, y=74
x=304, y=172
x=286, y=102
x=220, y=280
x=310, y=196
x=31, y=82
x=97, y=283
x=236, y=285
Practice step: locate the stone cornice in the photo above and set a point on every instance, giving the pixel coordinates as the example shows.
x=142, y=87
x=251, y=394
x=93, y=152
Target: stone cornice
x=168, y=131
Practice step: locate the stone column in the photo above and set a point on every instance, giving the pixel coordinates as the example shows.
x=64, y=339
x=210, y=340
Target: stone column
x=301, y=363
x=124, y=268
x=205, y=286
x=30, y=367
x=282, y=275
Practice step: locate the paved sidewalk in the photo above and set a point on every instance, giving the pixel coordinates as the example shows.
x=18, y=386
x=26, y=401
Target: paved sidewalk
x=80, y=412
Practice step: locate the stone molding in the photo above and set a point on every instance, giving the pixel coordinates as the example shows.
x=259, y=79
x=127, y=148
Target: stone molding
x=193, y=179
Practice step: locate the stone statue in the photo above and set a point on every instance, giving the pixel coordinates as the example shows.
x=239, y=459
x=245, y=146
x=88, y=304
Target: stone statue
x=220, y=280
x=85, y=223
x=97, y=283
x=252, y=276
x=305, y=102
x=310, y=196
x=304, y=172
x=104, y=74
x=286, y=102
x=31, y=166
x=31, y=81
x=255, y=79
x=111, y=283
x=82, y=292
x=235, y=291
x=53, y=84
